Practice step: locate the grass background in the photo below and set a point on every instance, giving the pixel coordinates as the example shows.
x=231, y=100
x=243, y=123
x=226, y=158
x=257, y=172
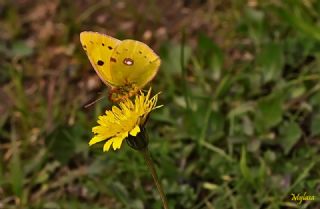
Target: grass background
x=240, y=126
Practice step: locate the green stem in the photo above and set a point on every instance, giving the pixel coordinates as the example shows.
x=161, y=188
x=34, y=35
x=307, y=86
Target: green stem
x=152, y=169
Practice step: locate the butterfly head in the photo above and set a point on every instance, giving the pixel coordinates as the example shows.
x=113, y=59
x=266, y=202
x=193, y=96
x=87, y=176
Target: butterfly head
x=120, y=93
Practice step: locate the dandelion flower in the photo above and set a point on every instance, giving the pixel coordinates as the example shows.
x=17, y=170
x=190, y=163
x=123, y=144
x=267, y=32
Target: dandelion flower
x=124, y=121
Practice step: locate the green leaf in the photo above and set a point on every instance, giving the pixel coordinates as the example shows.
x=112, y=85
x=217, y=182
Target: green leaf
x=270, y=156
x=20, y=49
x=299, y=20
x=223, y=87
x=16, y=172
x=120, y=191
x=244, y=166
x=240, y=110
x=315, y=125
x=290, y=133
x=216, y=124
x=262, y=172
x=212, y=55
x=269, y=111
x=172, y=56
x=254, y=20
x=315, y=100
x=271, y=61
x=61, y=143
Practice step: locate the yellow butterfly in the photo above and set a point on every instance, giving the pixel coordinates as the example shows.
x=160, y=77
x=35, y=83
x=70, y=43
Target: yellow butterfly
x=125, y=66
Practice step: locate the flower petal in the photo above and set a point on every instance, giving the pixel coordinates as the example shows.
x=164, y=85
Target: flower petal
x=96, y=139
x=117, y=141
x=107, y=145
x=135, y=131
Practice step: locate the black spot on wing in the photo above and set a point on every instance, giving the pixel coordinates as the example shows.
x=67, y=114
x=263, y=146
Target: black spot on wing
x=109, y=47
x=100, y=62
x=113, y=59
x=128, y=61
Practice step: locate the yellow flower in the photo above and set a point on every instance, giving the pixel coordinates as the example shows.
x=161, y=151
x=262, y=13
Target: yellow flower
x=120, y=122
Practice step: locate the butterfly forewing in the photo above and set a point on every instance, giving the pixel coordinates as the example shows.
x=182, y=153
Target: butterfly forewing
x=99, y=48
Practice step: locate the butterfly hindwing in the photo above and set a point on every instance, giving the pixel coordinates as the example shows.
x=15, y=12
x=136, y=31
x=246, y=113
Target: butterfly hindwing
x=99, y=48
x=133, y=62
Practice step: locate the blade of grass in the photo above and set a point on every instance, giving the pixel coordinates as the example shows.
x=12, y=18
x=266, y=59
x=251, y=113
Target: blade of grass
x=16, y=175
x=301, y=177
x=216, y=150
x=184, y=72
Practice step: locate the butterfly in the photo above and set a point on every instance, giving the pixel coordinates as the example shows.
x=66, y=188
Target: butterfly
x=125, y=66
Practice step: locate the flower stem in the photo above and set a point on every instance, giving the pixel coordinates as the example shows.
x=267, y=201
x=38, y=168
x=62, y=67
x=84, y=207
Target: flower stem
x=152, y=169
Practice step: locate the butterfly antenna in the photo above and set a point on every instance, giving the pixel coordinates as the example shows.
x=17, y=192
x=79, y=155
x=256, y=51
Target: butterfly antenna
x=95, y=101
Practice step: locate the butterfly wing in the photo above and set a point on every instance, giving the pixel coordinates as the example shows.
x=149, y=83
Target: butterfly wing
x=99, y=48
x=133, y=62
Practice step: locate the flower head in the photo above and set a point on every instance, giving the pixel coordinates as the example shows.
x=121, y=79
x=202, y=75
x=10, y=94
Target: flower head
x=120, y=122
